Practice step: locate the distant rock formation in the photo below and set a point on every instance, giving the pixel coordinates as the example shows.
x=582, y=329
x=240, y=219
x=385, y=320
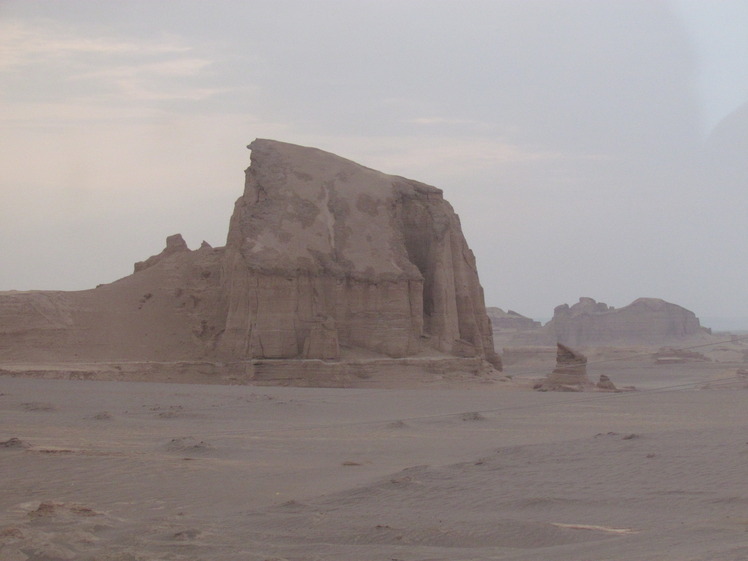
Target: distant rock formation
x=570, y=375
x=325, y=259
x=605, y=384
x=510, y=320
x=646, y=321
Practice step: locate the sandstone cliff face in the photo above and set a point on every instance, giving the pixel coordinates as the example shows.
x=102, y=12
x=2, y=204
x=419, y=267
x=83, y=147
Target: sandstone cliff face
x=648, y=321
x=324, y=254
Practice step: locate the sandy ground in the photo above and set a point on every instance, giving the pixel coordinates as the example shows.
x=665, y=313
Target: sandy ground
x=131, y=471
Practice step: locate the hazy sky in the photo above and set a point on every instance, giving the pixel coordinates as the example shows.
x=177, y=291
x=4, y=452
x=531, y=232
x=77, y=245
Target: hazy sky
x=591, y=148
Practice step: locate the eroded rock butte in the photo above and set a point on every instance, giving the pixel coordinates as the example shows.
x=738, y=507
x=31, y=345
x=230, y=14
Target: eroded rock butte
x=324, y=259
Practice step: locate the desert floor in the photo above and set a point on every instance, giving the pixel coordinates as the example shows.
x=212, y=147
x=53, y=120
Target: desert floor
x=128, y=471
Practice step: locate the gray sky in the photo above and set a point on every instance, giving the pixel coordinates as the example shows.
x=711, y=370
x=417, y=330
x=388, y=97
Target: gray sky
x=591, y=148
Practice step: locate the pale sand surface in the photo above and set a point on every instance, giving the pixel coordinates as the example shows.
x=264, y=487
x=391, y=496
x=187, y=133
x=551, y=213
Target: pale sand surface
x=136, y=471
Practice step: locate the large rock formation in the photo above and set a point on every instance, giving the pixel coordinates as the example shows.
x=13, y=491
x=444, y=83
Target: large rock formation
x=324, y=254
x=646, y=321
x=325, y=259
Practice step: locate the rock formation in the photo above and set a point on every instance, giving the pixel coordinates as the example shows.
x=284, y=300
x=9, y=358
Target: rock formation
x=510, y=320
x=646, y=321
x=605, y=384
x=570, y=373
x=324, y=254
x=325, y=259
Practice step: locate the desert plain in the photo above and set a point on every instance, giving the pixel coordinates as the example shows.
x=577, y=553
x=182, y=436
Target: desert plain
x=439, y=470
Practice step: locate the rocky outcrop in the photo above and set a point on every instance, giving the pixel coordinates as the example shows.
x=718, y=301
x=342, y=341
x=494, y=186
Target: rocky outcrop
x=324, y=255
x=646, y=321
x=325, y=259
x=605, y=384
x=501, y=320
x=570, y=373
x=174, y=244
